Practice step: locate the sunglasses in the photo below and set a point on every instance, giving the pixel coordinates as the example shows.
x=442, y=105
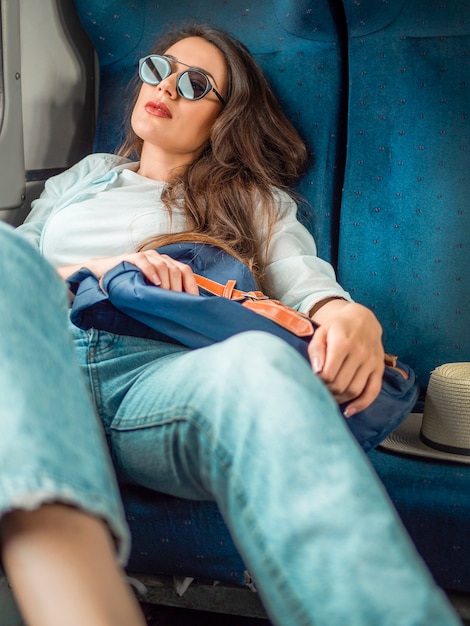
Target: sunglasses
x=190, y=84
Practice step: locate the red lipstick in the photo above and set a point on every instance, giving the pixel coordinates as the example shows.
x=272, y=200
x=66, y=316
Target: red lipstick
x=153, y=107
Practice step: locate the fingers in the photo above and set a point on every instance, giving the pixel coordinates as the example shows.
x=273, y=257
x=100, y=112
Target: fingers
x=172, y=274
x=350, y=365
x=369, y=394
x=317, y=349
x=356, y=383
x=165, y=272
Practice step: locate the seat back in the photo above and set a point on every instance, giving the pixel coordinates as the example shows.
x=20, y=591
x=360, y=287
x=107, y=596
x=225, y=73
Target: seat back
x=380, y=93
x=405, y=221
x=296, y=44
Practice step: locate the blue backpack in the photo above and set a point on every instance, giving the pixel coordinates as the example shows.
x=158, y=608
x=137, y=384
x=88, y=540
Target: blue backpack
x=123, y=302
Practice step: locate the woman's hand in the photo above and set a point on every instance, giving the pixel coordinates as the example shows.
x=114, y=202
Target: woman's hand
x=159, y=269
x=347, y=354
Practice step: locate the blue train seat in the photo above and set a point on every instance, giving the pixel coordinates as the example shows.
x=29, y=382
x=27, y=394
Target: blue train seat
x=380, y=92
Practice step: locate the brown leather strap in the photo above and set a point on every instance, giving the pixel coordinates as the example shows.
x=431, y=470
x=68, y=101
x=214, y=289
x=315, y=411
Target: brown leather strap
x=297, y=323
x=288, y=318
x=228, y=290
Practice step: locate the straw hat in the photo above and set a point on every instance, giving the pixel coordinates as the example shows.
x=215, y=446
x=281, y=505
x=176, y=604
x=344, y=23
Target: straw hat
x=443, y=431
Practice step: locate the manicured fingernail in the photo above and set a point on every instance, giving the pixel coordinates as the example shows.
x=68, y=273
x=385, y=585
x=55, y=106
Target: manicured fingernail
x=349, y=411
x=317, y=365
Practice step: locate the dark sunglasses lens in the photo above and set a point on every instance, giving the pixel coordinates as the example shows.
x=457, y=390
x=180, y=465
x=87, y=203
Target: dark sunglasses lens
x=193, y=85
x=154, y=69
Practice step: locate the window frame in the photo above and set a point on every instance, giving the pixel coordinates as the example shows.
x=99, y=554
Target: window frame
x=12, y=171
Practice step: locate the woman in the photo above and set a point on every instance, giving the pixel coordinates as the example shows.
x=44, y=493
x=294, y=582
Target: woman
x=245, y=422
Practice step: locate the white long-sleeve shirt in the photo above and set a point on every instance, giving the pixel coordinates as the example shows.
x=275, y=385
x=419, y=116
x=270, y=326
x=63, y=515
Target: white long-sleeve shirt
x=101, y=207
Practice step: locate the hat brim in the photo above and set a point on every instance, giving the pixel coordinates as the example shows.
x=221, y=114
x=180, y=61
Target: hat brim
x=405, y=440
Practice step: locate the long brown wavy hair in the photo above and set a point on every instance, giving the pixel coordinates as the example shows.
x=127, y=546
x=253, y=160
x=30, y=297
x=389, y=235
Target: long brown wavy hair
x=253, y=149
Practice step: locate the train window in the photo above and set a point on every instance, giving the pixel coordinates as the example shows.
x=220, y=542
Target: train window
x=1, y=71
x=12, y=176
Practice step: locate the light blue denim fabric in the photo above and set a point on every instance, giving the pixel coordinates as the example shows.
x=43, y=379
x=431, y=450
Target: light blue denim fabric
x=244, y=422
x=247, y=423
x=52, y=446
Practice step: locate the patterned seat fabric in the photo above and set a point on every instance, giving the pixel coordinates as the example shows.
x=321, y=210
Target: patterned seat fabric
x=405, y=222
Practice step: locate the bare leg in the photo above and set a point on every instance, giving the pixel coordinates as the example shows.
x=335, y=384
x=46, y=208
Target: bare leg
x=62, y=566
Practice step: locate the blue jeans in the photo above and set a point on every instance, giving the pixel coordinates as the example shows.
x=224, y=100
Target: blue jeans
x=244, y=422
x=52, y=446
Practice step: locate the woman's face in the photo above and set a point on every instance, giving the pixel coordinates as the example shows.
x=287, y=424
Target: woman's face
x=162, y=118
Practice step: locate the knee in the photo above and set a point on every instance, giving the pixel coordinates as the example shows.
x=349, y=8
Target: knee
x=255, y=351
x=261, y=379
x=25, y=273
x=256, y=342
x=11, y=243
x=17, y=253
